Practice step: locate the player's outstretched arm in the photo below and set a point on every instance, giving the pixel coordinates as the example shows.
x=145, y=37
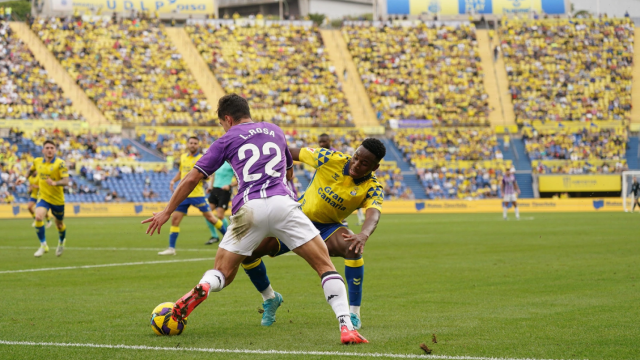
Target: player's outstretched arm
x=295, y=153
x=185, y=188
x=369, y=226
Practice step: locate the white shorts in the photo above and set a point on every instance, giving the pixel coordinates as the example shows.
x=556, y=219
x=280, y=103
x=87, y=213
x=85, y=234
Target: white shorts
x=510, y=198
x=278, y=216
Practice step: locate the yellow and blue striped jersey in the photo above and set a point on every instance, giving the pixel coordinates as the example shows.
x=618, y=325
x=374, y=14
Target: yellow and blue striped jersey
x=332, y=194
x=186, y=164
x=54, y=170
x=34, y=183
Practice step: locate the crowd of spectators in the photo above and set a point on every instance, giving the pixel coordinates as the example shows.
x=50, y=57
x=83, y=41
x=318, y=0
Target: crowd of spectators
x=473, y=182
x=26, y=90
x=569, y=69
x=447, y=144
x=129, y=68
x=579, y=167
x=282, y=70
x=589, y=143
x=427, y=72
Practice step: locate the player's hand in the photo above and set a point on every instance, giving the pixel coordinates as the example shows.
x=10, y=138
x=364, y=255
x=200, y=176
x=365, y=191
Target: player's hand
x=208, y=190
x=357, y=242
x=51, y=182
x=157, y=220
x=171, y=186
x=226, y=188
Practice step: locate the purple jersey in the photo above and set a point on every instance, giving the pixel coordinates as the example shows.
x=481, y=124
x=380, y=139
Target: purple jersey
x=508, y=182
x=259, y=156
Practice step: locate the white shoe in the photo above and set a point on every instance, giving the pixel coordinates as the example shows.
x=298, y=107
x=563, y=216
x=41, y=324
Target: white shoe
x=42, y=250
x=169, y=251
x=49, y=223
x=33, y=224
x=60, y=248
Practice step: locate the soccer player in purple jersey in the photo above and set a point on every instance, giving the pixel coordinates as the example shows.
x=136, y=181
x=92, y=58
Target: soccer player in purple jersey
x=263, y=207
x=510, y=191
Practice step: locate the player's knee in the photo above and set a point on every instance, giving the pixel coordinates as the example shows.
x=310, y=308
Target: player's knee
x=60, y=225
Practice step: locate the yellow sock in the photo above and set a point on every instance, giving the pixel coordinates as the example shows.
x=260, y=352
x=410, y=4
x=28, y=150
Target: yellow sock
x=33, y=215
x=219, y=224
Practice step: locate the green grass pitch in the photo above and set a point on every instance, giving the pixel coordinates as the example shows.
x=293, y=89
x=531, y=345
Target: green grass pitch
x=551, y=286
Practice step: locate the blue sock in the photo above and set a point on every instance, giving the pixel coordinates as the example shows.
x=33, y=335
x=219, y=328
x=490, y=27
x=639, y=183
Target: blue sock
x=40, y=232
x=354, y=275
x=173, y=236
x=258, y=274
x=212, y=229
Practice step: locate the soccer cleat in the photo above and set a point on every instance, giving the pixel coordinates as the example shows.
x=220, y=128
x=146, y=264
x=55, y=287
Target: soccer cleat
x=49, y=223
x=355, y=320
x=189, y=301
x=211, y=241
x=169, y=251
x=44, y=248
x=33, y=224
x=351, y=336
x=60, y=248
x=270, y=307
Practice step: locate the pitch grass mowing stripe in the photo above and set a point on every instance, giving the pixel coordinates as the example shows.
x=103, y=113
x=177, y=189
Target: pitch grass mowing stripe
x=104, y=265
x=260, y=352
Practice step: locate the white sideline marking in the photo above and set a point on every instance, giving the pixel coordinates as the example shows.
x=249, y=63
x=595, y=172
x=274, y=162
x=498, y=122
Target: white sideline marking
x=261, y=352
x=104, y=265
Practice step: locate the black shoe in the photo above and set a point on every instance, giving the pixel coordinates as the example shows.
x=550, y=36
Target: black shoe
x=213, y=240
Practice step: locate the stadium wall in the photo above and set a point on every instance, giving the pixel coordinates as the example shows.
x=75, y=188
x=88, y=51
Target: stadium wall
x=19, y=211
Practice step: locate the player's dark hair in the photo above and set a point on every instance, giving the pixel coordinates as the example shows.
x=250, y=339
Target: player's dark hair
x=193, y=137
x=49, y=142
x=233, y=105
x=376, y=147
x=323, y=134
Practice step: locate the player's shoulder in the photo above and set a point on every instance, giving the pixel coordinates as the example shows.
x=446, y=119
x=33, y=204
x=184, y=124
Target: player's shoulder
x=373, y=182
x=59, y=161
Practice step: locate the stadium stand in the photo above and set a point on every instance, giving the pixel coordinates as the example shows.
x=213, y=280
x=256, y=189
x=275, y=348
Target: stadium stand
x=569, y=69
x=576, y=149
x=128, y=68
x=26, y=90
x=427, y=71
x=282, y=70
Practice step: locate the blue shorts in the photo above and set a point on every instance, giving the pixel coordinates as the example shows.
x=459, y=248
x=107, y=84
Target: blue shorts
x=32, y=199
x=198, y=202
x=56, y=210
x=326, y=230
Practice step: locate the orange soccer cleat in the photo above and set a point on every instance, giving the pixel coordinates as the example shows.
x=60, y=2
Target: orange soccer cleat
x=190, y=301
x=351, y=337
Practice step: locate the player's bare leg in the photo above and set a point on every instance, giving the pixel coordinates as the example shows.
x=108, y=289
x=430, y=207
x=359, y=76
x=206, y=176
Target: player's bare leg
x=505, y=207
x=222, y=275
x=31, y=206
x=316, y=254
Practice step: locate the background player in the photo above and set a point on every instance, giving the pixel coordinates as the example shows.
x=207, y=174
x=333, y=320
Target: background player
x=33, y=199
x=195, y=198
x=263, y=207
x=328, y=200
x=220, y=194
x=510, y=191
x=635, y=191
x=324, y=141
x=53, y=176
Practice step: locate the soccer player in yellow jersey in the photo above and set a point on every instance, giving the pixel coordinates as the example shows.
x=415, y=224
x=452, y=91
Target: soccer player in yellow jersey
x=340, y=185
x=196, y=198
x=33, y=199
x=53, y=176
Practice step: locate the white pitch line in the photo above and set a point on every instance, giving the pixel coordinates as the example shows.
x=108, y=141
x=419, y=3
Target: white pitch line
x=105, y=248
x=260, y=352
x=104, y=265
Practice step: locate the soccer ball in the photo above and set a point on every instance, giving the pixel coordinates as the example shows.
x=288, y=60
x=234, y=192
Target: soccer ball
x=162, y=323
